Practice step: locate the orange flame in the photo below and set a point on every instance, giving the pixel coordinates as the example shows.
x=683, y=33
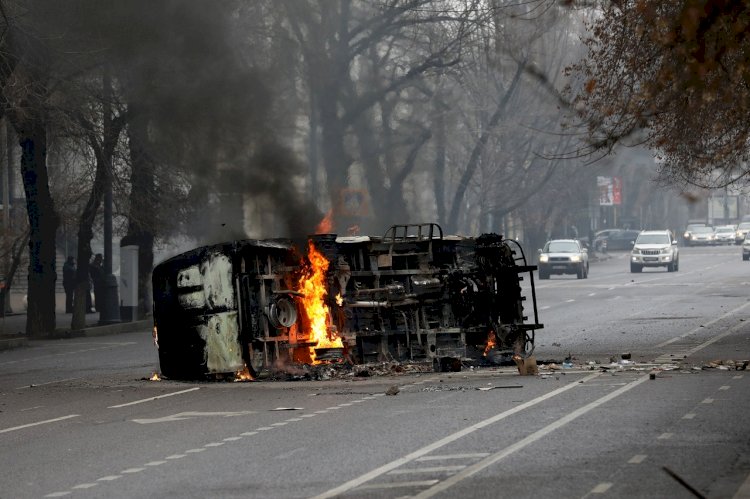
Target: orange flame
x=326, y=225
x=312, y=285
x=155, y=377
x=243, y=375
x=491, y=343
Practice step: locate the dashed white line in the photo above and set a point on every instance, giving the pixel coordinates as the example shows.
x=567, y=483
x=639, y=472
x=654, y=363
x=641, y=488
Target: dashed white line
x=637, y=459
x=154, y=398
x=601, y=488
x=249, y=433
x=84, y=486
x=724, y=388
x=264, y=428
x=108, y=478
x=214, y=444
x=194, y=451
x=433, y=469
x=132, y=470
x=232, y=439
x=453, y=456
x=398, y=485
x=293, y=420
x=307, y=416
x=708, y=400
x=155, y=463
x=176, y=456
x=739, y=376
x=281, y=423
x=46, y=421
x=689, y=415
x=665, y=436
x=570, y=300
x=58, y=494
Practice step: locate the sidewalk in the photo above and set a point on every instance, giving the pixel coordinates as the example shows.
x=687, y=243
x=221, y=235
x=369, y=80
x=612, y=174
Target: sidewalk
x=13, y=328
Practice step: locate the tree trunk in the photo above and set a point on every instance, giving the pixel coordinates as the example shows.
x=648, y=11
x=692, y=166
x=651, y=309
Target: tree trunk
x=43, y=222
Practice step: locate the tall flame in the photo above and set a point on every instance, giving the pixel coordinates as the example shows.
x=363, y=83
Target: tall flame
x=326, y=225
x=491, y=343
x=312, y=285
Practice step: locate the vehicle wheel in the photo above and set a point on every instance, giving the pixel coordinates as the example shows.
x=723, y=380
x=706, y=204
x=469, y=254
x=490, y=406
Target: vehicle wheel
x=580, y=273
x=635, y=268
x=670, y=267
x=586, y=271
x=745, y=257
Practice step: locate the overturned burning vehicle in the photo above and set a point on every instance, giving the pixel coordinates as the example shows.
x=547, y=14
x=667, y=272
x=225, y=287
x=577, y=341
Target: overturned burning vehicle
x=243, y=307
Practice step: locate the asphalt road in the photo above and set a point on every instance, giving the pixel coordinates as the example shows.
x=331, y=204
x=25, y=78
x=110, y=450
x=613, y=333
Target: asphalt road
x=80, y=418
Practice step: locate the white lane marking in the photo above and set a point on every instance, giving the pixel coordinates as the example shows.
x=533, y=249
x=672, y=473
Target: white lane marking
x=448, y=439
x=264, y=428
x=58, y=494
x=321, y=412
x=744, y=491
x=293, y=420
x=601, y=488
x=725, y=387
x=433, y=469
x=689, y=415
x=707, y=401
x=665, y=436
x=544, y=307
x=570, y=301
x=703, y=326
x=232, y=439
x=637, y=459
x=538, y=435
x=34, y=385
x=175, y=456
x=154, y=398
x=453, y=456
x=30, y=408
x=592, y=294
x=132, y=470
x=307, y=416
x=396, y=485
x=347, y=404
x=14, y=428
x=214, y=444
x=191, y=414
x=84, y=486
x=155, y=463
x=249, y=433
x=194, y=451
x=739, y=376
x=281, y=423
x=108, y=478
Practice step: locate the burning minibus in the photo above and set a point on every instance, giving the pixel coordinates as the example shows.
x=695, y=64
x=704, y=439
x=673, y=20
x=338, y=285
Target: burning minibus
x=243, y=307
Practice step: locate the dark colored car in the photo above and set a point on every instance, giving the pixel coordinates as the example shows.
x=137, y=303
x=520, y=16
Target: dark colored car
x=563, y=256
x=621, y=240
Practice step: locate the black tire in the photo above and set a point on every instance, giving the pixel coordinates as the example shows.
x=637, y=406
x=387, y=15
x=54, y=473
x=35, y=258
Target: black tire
x=581, y=272
x=745, y=257
x=634, y=268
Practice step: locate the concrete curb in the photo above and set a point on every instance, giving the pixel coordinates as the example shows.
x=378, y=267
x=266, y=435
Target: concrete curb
x=10, y=341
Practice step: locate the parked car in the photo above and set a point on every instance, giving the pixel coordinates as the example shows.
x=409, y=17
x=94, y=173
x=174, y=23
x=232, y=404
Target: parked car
x=687, y=236
x=746, y=247
x=655, y=248
x=742, y=229
x=725, y=234
x=563, y=256
x=622, y=239
x=600, y=239
x=703, y=235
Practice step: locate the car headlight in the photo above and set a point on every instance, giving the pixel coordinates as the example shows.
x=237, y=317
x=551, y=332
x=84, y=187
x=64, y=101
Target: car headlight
x=686, y=235
x=666, y=250
x=575, y=258
x=543, y=258
x=636, y=252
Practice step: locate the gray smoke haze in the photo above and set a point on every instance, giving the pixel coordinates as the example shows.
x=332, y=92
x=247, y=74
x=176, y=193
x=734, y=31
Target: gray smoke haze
x=210, y=108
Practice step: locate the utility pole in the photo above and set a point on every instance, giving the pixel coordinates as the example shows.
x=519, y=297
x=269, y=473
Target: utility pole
x=110, y=312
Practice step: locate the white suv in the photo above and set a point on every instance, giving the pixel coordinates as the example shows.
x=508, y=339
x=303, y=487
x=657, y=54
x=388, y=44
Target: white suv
x=655, y=248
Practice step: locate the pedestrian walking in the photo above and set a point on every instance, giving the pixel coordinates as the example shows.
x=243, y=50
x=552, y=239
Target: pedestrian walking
x=96, y=271
x=69, y=283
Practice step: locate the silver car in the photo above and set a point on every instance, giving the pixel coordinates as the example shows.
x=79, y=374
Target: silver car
x=746, y=247
x=563, y=256
x=702, y=235
x=725, y=234
x=655, y=248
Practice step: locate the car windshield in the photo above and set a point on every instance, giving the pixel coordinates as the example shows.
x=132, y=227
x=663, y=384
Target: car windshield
x=561, y=247
x=725, y=229
x=744, y=225
x=653, y=239
x=701, y=230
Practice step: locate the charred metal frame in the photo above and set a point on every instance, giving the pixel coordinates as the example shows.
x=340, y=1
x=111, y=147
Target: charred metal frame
x=412, y=294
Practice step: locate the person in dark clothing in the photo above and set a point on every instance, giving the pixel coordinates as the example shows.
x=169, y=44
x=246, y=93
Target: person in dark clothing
x=96, y=271
x=69, y=283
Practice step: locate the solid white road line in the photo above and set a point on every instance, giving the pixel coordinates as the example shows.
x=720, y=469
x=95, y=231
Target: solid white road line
x=355, y=482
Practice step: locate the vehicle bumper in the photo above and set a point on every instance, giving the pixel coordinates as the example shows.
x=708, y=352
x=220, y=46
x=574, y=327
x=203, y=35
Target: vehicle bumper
x=560, y=268
x=651, y=260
